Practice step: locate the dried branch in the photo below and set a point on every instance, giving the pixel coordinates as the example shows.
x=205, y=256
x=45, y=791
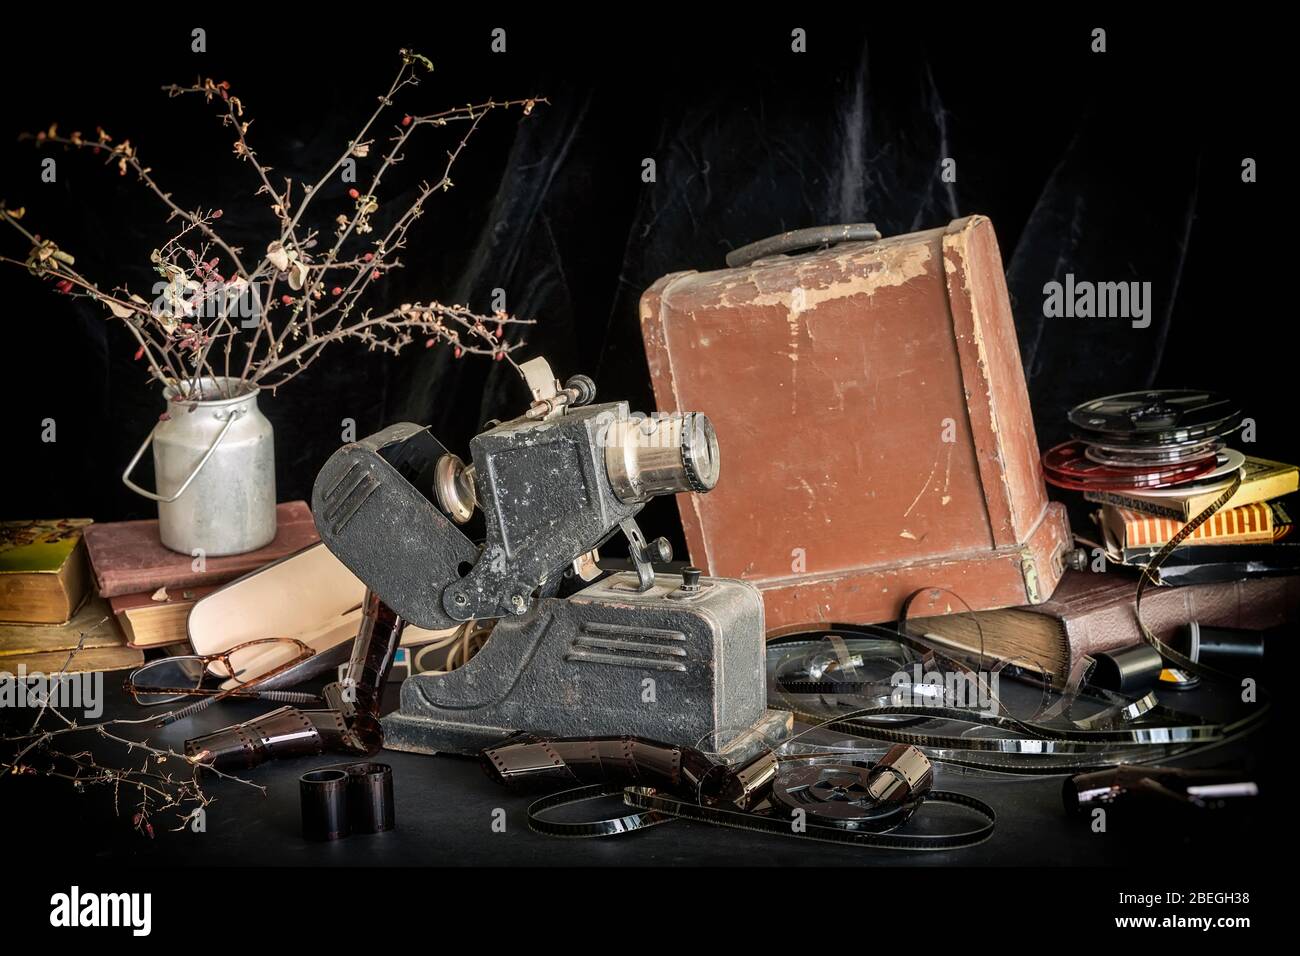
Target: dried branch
x=294, y=301
x=181, y=794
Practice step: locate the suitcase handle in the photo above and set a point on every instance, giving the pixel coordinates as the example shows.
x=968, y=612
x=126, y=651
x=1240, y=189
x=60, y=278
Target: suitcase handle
x=798, y=239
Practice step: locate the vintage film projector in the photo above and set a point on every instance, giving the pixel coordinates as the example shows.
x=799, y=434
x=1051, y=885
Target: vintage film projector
x=671, y=657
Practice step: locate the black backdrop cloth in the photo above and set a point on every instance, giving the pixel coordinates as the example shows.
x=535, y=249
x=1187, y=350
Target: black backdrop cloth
x=1122, y=166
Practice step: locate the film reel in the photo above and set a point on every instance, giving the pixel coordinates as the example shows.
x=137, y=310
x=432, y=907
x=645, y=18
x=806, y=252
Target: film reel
x=1068, y=466
x=1159, y=416
x=1229, y=463
x=1152, y=457
x=1087, y=728
x=836, y=802
x=848, y=796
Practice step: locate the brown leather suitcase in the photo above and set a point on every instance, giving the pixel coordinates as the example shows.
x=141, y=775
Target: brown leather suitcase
x=874, y=426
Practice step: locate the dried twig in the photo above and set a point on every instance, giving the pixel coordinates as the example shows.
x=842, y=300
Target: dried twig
x=181, y=794
x=284, y=309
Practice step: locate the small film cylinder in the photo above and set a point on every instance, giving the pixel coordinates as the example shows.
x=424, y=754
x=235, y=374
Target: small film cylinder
x=324, y=796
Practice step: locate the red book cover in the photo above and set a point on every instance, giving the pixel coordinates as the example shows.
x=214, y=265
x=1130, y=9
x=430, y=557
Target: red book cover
x=127, y=556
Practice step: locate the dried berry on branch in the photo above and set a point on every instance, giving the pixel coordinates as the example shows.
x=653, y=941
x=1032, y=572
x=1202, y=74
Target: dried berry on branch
x=215, y=315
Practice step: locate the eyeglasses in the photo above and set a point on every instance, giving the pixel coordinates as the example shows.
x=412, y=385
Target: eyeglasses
x=175, y=678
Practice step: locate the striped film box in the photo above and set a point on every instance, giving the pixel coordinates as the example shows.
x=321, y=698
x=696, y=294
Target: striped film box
x=1248, y=524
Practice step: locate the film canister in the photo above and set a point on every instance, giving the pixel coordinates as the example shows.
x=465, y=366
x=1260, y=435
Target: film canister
x=324, y=795
x=370, y=797
x=1130, y=670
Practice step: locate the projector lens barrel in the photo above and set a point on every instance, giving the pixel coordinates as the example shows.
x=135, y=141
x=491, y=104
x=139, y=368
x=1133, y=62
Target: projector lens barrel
x=662, y=455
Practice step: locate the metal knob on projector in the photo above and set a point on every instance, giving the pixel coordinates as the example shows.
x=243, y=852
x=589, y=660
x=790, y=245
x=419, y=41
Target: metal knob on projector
x=662, y=455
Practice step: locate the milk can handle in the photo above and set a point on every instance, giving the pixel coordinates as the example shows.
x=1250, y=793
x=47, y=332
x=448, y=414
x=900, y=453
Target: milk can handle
x=126, y=480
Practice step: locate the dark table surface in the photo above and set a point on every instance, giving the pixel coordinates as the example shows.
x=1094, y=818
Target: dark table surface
x=445, y=808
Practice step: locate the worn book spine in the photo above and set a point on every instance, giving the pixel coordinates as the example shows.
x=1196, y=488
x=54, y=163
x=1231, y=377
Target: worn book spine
x=1262, y=480
x=44, y=575
x=92, y=626
x=150, y=622
x=1092, y=627
x=128, y=557
x=87, y=660
x=1142, y=505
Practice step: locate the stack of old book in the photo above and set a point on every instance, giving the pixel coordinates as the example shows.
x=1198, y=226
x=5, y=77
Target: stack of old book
x=112, y=588
x=1158, y=461
x=46, y=609
x=1246, y=536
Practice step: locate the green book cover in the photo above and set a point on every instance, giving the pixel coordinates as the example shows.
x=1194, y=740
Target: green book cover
x=38, y=546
